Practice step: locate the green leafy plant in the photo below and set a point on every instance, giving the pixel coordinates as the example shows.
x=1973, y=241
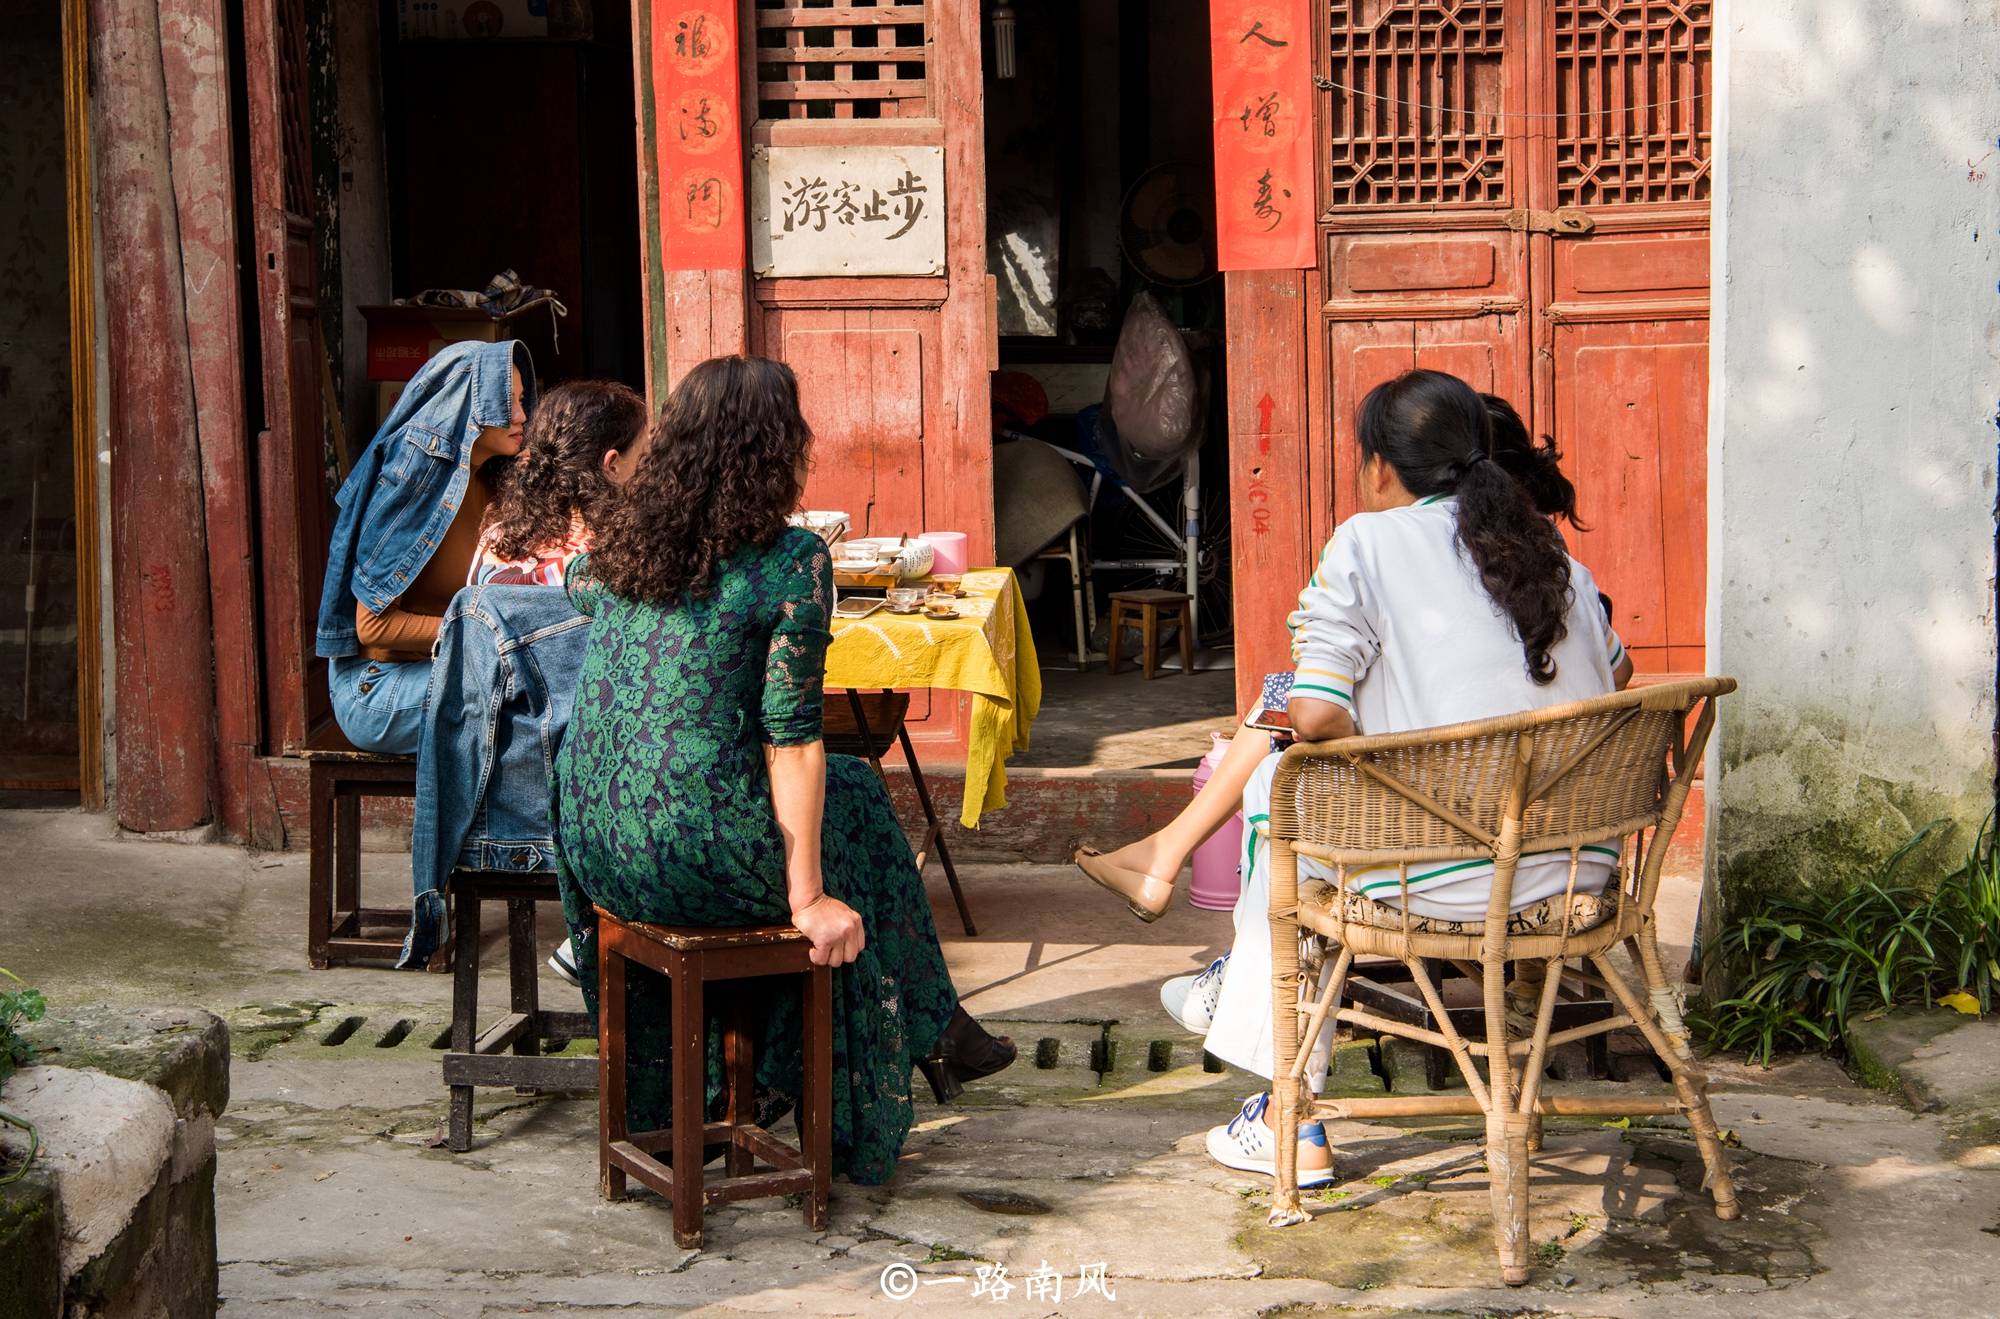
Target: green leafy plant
x=16, y=1006
x=1808, y=967
x=1967, y=907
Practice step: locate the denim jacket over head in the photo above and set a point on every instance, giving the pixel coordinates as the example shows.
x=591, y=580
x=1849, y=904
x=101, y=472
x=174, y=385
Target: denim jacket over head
x=503, y=683
x=410, y=480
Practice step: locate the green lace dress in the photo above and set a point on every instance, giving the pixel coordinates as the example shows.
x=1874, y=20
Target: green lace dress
x=664, y=814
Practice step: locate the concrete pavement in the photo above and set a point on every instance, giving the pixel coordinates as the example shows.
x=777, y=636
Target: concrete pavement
x=333, y=1199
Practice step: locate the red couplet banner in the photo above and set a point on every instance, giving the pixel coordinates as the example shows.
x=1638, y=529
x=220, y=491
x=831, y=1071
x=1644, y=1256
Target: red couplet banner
x=1263, y=141
x=697, y=110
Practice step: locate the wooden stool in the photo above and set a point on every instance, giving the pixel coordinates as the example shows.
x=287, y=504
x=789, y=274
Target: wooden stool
x=526, y=1029
x=868, y=726
x=690, y=958
x=337, y=924
x=1142, y=609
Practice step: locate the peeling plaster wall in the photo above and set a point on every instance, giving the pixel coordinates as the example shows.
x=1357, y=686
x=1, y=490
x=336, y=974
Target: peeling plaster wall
x=1853, y=439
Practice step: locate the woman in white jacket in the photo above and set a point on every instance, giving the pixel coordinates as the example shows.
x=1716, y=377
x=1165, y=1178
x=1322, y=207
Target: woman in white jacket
x=1451, y=598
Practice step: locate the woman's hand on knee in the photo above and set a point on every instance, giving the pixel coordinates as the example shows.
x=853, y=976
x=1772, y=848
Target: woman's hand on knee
x=834, y=928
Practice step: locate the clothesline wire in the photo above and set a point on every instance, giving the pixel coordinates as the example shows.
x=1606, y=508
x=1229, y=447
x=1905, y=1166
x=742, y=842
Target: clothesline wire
x=1329, y=85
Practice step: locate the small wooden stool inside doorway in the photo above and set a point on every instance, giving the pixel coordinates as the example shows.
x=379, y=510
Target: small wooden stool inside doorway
x=690, y=958
x=1142, y=609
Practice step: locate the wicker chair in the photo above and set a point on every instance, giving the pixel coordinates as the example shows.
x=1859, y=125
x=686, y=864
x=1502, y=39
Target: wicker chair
x=1611, y=770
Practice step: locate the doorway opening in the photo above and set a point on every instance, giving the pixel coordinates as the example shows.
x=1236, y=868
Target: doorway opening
x=1100, y=206
x=489, y=152
x=41, y=622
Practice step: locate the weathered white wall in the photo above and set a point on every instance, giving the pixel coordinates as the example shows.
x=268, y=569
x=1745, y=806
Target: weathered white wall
x=1853, y=443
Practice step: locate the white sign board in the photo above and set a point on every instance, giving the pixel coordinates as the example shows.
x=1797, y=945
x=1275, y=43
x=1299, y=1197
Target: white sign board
x=857, y=210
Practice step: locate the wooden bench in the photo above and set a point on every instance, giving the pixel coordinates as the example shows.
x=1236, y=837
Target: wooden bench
x=338, y=927
x=691, y=959
x=513, y=1050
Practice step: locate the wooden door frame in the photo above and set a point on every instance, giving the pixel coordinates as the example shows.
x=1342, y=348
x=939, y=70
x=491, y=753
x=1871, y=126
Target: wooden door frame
x=1284, y=459
x=691, y=315
x=83, y=405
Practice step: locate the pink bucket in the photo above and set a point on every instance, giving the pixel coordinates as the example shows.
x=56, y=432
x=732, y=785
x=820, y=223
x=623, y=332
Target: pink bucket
x=1216, y=881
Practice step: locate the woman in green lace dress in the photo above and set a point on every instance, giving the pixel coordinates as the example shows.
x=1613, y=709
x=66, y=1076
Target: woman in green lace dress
x=693, y=787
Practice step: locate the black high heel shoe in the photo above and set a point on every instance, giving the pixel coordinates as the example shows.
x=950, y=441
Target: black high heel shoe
x=965, y=1052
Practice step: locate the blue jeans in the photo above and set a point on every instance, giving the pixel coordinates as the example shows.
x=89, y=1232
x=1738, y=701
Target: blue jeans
x=379, y=704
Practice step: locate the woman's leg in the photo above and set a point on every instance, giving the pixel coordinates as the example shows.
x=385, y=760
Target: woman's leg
x=1164, y=854
x=379, y=704
x=1241, y=1032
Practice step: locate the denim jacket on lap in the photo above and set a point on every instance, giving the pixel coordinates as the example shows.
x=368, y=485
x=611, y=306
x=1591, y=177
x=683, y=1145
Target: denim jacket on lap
x=408, y=483
x=503, y=681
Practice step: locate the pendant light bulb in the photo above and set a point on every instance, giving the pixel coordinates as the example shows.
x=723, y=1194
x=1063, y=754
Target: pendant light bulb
x=1003, y=39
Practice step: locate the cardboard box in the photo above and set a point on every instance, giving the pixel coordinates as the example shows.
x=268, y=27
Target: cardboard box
x=491, y=20
x=474, y=20
x=402, y=339
x=386, y=394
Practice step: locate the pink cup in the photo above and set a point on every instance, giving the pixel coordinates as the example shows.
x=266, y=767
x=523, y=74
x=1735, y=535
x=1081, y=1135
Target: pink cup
x=947, y=550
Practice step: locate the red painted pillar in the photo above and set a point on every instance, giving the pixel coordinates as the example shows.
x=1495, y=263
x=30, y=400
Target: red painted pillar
x=692, y=192
x=159, y=568
x=1270, y=478
x=196, y=66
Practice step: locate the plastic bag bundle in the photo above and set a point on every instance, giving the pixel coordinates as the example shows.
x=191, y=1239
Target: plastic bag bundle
x=1153, y=410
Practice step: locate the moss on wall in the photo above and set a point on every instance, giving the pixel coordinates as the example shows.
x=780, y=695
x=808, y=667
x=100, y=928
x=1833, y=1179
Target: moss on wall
x=1802, y=810
x=30, y=1251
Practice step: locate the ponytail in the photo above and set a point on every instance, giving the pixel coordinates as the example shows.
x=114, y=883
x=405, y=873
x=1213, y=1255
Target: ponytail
x=1536, y=466
x=1519, y=557
x=1439, y=436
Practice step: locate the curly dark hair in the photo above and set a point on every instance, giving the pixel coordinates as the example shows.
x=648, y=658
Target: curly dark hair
x=725, y=468
x=1437, y=433
x=560, y=472
x=1536, y=466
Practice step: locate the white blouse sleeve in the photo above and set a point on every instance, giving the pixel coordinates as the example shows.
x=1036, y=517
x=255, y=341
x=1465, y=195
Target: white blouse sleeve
x=1334, y=638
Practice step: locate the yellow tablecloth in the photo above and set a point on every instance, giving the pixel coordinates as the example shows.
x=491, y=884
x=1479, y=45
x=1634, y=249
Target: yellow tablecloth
x=987, y=651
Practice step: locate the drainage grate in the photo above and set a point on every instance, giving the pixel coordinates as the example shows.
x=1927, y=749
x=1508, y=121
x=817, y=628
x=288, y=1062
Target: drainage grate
x=342, y=1031
x=396, y=1034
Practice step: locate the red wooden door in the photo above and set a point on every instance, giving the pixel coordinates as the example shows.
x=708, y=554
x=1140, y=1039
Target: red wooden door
x=1516, y=191
x=293, y=522
x=1621, y=331
x=892, y=368
x=1422, y=164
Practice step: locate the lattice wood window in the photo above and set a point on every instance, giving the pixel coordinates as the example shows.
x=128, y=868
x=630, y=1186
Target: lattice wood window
x=1632, y=98
x=843, y=59
x=294, y=100
x=1415, y=106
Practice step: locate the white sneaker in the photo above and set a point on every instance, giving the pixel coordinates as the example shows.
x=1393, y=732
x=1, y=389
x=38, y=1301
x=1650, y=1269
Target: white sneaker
x=1191, y=1000
x=1247, y=1145
x=563, y=962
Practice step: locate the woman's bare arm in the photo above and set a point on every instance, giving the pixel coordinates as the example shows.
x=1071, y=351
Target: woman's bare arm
x=798, y=799
x=1320, y=721
x=798, y=796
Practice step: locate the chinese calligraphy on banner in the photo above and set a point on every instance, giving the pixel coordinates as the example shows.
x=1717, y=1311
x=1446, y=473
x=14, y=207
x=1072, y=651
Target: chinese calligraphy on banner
x=855, y=210
x=700, y=139
x=1264, y=209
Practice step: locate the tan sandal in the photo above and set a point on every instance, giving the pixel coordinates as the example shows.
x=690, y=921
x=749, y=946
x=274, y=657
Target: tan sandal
x=1147, y=895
